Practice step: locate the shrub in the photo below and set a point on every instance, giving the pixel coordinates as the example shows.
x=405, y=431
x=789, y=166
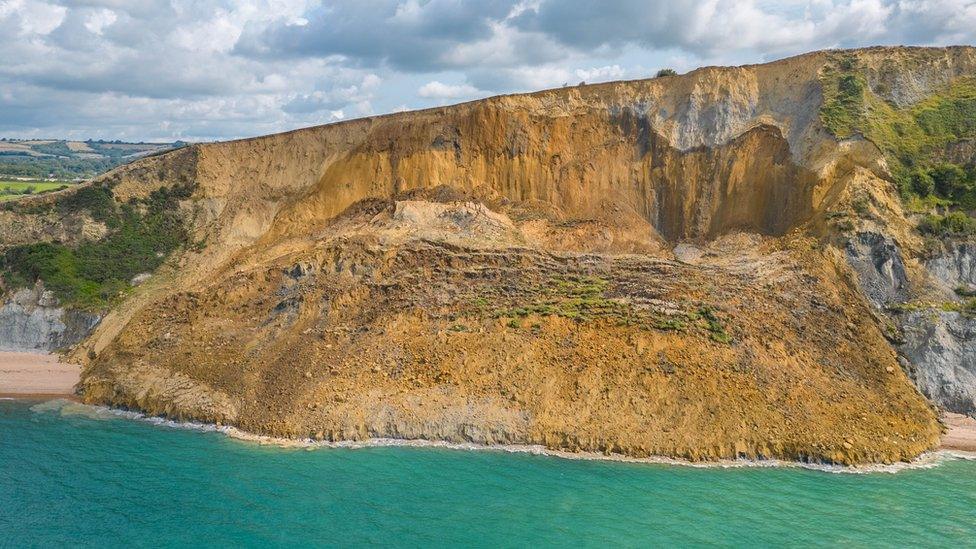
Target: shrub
x=850, y=86
x=96, y=199
x=958, y=223
x=666, y=72
x=93, y=274
x=922, y=183
x=953, y=224
x=950, y=180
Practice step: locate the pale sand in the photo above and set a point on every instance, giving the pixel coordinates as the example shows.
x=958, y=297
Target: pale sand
x=961, y=434
x=36, y=374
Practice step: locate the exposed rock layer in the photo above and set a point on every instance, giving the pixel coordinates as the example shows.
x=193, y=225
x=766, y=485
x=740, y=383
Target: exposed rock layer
x=501, y=271
x=31, y=320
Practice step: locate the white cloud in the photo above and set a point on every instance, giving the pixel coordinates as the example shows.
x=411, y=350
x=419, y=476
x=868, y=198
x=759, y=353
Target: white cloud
x=33, y=17
x=438, y=90
x=202, y=69
x=100, y=19
x=523, y=78
x=600, y=74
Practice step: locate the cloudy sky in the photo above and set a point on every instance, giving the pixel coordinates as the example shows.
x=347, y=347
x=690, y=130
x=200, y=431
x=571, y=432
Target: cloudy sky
x=217, y=69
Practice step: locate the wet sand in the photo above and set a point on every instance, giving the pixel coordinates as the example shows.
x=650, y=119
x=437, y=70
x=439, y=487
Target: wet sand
x=27, y=375
x=961, y=434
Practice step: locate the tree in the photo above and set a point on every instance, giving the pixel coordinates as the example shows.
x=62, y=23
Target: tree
x=666, y=72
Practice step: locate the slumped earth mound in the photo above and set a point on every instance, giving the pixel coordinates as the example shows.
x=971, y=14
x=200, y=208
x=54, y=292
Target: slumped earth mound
x=722, y=264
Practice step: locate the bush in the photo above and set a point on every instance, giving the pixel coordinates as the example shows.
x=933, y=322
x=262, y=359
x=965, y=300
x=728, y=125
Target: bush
x=850, y=86
x=958, y=223
x=847, y=63
x=93, y=274
x=922, y=183
x=666, y=72
x=950, y=180
x=954, y=224
x=97, y=200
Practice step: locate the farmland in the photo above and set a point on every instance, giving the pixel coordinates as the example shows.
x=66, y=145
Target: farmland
x=10, y=189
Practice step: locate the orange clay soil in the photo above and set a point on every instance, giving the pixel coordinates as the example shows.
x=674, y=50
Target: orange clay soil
x=647, y=267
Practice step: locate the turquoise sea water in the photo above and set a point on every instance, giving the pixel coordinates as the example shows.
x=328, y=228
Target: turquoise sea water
x=69, y=476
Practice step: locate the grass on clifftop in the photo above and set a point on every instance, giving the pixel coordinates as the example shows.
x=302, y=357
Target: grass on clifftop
x=92, y=275
x=913, y=139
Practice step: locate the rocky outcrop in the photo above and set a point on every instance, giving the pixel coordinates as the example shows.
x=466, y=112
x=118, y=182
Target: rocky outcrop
x=940, y=348
x=955, y=268
x=937, y=347
x=31, y=320
x=877, y=261
x=161, y=392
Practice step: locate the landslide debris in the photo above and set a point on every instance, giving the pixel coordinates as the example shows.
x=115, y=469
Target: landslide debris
x=698, y=266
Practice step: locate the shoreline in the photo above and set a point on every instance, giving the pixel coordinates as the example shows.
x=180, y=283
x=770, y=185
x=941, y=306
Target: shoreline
x=40, y=396
x=74, y=407
x=960, y=435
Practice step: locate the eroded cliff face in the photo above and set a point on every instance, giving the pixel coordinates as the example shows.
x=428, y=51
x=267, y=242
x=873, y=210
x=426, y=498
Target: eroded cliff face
x=504, y=271
x=33, y=320
x=935, y=339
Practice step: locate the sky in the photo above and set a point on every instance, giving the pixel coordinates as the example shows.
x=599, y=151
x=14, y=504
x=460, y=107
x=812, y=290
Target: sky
x=199, y=70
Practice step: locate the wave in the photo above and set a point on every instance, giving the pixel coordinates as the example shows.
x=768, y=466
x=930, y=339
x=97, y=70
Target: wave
x=927, y=460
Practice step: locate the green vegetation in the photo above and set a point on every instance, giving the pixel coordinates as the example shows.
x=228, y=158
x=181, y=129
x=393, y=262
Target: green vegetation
x=666, y=72
x=54, y=148
x=97, y=200
x=577, y=298
x=716, y=327
x=142, y=234
x=913, y=139
x=56, y=159
x=843, y=106
x=58, y=168
x=966, y=308
x=10, y=190
x=588, y=298
x=954, y=224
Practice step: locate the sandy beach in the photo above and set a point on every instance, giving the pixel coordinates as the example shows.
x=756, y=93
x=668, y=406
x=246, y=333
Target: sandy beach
x=961, y=434
x=36, y=374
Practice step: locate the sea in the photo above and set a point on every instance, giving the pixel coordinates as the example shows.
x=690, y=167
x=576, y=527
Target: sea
x=81, y=476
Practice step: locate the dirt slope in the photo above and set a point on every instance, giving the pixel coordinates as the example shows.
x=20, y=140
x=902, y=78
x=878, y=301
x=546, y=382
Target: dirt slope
x=645, y=267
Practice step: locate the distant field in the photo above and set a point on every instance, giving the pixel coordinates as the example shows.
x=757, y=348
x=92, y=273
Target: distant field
x=69, y=160
x=10, y=190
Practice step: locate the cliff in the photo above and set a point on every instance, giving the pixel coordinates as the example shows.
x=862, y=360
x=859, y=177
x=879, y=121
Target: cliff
x=686, y=266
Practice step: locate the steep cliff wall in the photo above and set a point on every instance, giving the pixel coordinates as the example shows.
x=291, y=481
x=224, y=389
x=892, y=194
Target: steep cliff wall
x=33, y=320
x=502, y=271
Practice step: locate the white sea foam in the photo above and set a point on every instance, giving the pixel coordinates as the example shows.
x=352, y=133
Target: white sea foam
x=927, y=460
